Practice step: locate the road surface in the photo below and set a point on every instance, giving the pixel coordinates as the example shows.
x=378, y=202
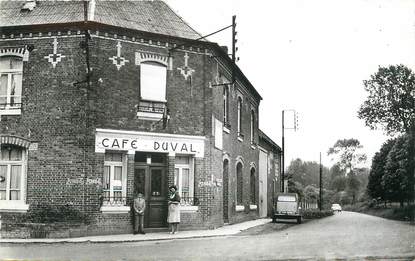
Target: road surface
x=345, y=235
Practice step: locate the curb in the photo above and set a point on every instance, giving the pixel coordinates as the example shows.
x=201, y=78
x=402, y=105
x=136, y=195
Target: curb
x=228, y=231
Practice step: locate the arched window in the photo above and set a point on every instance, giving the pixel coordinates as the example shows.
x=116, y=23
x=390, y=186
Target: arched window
x=11, y=68
x=240, y=117
x=226, y=106
x=239, y=184
x=252, y=187
x=12, y=169
x=225, y=190
x=252, y=127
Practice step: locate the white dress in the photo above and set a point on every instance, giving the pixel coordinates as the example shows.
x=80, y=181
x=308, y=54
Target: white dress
x=174, y=211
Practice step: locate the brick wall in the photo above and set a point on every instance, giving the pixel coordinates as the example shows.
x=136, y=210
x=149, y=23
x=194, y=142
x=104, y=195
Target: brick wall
x=62, y=118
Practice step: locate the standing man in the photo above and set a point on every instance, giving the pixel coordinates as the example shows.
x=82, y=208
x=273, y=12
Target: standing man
x=139, y=208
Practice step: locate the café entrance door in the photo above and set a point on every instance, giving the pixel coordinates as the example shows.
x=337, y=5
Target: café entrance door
x=152, y=182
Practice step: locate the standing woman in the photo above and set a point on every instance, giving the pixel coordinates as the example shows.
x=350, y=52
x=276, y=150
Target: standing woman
x=174, y=209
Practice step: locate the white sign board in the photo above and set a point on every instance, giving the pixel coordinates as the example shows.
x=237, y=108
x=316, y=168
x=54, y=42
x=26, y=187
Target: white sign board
x=148, y=142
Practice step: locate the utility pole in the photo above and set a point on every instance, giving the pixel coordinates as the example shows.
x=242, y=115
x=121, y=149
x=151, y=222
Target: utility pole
x=282, y=155
x=321, y=185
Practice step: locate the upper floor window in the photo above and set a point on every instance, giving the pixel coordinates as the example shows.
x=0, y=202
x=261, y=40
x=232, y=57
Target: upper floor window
x=153, y=78
x=226, y=106
x=11, y=68
x=239, y=105
x=12, y=169
x=253, y=120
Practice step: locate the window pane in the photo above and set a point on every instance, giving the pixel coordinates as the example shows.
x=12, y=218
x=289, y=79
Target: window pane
x=153, y=81
x=182, y=160
x=3, y=173
x=5, y=63
x=115, y=157
x=176, y=177
x=158, y=158
x=15, y=154
x=140, y=180
x=185, y=182
x=3, y=90
x=140, y=157
x=16, y=89
x=156, y=186
x=2, y=195
x=118, y=173
x=16, y=63
x=106, y=178
x=15, y=176
x=14, y=195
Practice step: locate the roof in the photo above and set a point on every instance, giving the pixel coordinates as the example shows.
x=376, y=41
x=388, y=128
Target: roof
x=149, y=16
x=268, y=140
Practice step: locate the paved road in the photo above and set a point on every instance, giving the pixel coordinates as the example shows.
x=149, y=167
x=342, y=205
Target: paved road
x=344, y=235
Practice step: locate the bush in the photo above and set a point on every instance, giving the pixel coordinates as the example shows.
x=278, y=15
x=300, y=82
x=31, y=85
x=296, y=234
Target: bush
x=315, y=213
x=46, y=213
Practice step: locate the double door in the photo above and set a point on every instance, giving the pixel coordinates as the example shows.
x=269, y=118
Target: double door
x=151, y=181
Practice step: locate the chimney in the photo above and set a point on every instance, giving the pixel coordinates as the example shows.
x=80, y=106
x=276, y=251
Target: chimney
x=29, y=5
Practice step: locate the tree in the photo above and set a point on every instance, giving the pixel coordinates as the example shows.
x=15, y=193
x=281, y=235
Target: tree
x=347, y=153
x=396, y=179
x=339, y=183
x=391, y=105
x=374, y=186
x=353, y=185
x=391, y=99
x=306, y=172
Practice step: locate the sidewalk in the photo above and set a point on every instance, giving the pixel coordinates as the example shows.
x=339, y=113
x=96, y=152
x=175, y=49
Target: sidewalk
x=222, y=231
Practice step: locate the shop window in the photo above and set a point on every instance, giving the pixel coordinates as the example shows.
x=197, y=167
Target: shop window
x=12, y=177
x=114, y=179
x=153, y=77
x=184, y=179
x=253, y=188
x=239, y=184
x=239, y=105
x=11, y=68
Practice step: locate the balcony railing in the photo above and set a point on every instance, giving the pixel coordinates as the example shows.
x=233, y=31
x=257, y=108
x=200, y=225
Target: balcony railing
x=189, y=201
x=114, y=201
x=152, y=109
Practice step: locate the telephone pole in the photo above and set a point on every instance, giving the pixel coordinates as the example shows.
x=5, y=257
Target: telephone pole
x=321, y=185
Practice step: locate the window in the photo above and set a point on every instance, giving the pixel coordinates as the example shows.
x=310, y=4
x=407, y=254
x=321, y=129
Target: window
x=226, y=107
x=239, y=184
x=252, y=127
x=114, y=179
x=240, y=117
x=11, y=68
x=253, y=186
x=12, y=178
x=184, y=179
x=153, y=77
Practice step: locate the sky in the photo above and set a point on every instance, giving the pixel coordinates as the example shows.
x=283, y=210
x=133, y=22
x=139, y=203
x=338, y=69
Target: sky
x=311, y=56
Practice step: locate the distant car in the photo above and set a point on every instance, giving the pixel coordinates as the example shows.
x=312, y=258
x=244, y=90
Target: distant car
x=336, y=207
x=286, y=206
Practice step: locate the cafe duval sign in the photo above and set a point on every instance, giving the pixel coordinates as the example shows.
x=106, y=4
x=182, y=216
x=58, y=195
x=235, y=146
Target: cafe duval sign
x=132, y=141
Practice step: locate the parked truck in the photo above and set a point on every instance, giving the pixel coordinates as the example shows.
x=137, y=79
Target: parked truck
x=286, y=206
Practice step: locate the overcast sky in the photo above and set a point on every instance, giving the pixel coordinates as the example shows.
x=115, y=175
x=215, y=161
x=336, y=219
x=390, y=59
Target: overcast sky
x=311, y=56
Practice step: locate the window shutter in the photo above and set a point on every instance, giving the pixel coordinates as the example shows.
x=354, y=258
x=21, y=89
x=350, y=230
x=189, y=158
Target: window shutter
x=153, y=82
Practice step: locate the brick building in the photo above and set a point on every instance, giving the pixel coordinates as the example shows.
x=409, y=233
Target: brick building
x=102, y=99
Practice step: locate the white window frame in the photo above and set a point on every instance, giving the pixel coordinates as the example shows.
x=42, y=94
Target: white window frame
x=12, y=110
x=107, y=206
x=20, y=205
x=152, y=108
x=179, y=180
x=239, y=105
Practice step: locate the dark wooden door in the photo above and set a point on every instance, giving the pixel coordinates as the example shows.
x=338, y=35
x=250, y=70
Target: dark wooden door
x=152, y=182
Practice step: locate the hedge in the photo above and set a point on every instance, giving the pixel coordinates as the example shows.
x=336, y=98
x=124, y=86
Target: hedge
x=315, y=213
